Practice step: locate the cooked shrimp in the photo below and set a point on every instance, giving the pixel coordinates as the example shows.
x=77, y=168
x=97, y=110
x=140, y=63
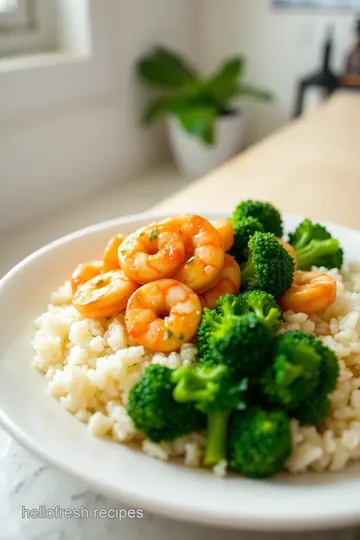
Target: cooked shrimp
x=105, y=295
x=85, y=271
x=162, y=315
x=151, y=253
x=289, y=249
x=310, y=293
x=226, y=231
x=110, y=256
x=227, y=283
x=204, y=250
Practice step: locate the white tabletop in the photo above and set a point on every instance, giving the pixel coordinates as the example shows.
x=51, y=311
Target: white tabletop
x=26, y=481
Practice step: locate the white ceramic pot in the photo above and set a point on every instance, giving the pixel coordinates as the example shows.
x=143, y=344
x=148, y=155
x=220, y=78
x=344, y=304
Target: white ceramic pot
x=193, y=157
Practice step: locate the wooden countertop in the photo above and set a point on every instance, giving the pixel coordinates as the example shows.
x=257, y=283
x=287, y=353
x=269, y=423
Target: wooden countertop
x=311, y=167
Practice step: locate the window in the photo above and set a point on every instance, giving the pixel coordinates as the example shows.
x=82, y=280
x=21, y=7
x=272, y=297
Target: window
x=27, y=26
x=13, y=13
x=66, y=58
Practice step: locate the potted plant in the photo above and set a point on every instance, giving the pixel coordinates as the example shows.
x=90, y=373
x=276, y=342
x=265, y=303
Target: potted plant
x=205, y=126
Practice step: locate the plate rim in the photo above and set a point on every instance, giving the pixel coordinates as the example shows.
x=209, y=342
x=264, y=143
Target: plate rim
x=171, y=509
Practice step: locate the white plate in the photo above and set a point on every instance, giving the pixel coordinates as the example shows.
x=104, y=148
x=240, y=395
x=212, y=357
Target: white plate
x=40, y=423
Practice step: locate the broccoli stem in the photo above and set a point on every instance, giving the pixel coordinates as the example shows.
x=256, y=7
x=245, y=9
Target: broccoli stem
x=216, y=443
x=258, y=310
x=314, y=251
x=247, y=272
x=196, y=385
x=302, y=241
x=270, y=317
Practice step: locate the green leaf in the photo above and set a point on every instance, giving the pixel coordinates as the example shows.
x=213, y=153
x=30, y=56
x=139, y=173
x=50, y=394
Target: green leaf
x=224, y=84
x=159, y=108
x=200, y=122
x=154, y=234
x=165, y=69
x=194, y=94
x=195, y=90
x=251, y=91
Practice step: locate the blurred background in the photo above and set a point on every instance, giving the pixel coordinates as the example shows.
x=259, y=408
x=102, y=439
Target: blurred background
x=94, y=94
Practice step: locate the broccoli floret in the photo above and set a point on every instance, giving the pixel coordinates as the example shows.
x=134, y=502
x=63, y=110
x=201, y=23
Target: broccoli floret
x=155, y=412
x=313, y=410
x=263, y=305
x=259, y=442
x=329, y=370
x=269, y=268
x=210, y=318
x=244, y=229
x=229, y=305
x=265, y=212
x=242, y=343
x=294, y=372
x=302, y=374
x=314, y=246
x=214, y=394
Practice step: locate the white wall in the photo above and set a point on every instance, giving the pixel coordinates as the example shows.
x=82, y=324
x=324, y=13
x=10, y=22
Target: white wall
x=280, y=46
x=56, y=154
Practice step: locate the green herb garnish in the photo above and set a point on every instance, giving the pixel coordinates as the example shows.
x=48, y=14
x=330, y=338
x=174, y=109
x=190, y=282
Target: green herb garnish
x=154, y=234
x=181, y=337
x=100, y=282
x=169, y=333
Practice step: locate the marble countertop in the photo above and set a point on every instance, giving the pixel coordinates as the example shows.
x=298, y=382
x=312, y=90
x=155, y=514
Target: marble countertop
x=25, y=481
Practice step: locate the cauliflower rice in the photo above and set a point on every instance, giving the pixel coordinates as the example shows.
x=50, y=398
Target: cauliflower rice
x=91, y=366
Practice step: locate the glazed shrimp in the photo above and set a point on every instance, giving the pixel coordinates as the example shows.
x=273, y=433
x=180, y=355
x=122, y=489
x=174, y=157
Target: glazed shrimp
x=85, y=271
x=310, y=293
x=110, y=256
x=227, y=283
x=225, y=228
x=204, y=250
x=105, y=295
x=162, y=315
x=151, y=253
x=289, y=249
